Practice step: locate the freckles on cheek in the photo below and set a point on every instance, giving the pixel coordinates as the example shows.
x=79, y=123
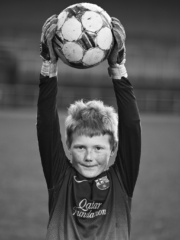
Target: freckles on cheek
x=77, y=156
x=103, y=159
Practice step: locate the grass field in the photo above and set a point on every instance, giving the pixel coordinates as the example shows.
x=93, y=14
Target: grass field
x=23, y=194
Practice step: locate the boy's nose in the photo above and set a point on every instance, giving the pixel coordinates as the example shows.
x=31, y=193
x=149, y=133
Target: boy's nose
x=88, y=160
x=88, y=157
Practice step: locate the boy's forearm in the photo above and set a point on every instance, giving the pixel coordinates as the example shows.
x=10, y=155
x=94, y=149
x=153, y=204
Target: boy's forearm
x=47, y=100
x=126, y=101
x=46, y=105
x=48, y=131
x=129, y=149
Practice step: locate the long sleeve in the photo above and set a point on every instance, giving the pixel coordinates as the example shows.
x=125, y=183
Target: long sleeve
x=53, y=158
x=129, y=148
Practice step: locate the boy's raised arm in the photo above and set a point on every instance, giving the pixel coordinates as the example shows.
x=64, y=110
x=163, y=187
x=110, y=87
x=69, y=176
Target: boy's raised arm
x=129, y=147
x=52, y=154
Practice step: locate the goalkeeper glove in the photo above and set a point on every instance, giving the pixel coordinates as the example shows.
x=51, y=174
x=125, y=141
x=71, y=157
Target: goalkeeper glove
x=49, y=66
x=117, y=57
x=48, y=31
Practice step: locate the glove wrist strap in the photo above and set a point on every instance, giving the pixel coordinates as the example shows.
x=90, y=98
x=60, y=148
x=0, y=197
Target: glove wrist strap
x=49, y=69
x=117, y=71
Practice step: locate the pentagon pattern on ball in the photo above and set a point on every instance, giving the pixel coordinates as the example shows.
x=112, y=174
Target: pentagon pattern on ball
x=84, y=37
x=71, y=30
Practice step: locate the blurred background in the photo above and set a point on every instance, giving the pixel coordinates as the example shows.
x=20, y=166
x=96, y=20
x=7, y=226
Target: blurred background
x=153, y=65
x=153, y=54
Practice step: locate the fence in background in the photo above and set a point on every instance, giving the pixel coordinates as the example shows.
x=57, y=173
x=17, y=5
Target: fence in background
x=149, y=100
x=153, y=67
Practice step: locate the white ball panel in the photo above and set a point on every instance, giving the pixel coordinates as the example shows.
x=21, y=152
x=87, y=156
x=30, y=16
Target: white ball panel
x=92, y=21
x=61, y=19
x=60, y=55
x=71, y=30
x=104, y=38
x=73, y=51
x=93, y=56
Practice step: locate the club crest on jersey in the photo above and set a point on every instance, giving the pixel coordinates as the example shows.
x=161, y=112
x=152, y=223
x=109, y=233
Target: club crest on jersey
x=102, y=183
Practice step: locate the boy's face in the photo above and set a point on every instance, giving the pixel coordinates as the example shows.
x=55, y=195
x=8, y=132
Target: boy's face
x=90, y=155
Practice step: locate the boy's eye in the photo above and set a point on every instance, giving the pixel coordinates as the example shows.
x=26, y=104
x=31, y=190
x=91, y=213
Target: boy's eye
x=80, y=147
x=98, y=148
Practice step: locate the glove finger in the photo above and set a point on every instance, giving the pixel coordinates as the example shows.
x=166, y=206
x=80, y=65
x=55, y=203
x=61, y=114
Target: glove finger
x=48, y=24
x=48, y=28
x=51, y=32
x=112, y=59
x=118, y=52
x=42, y=38
x=48, y=20
x=53, y=56
x=120, y=29
x=118, y=26
x=118, y=39
x=115, y=20
x=121, y=56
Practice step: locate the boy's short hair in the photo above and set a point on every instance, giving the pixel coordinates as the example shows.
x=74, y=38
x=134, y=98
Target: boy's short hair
x=91, y=118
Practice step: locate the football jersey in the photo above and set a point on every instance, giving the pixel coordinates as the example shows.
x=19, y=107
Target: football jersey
x=81, y=208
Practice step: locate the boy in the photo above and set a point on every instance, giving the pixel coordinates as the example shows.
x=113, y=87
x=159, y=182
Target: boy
x=88, y=200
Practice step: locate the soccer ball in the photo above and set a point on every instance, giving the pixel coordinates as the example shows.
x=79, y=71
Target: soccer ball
x=84, y=37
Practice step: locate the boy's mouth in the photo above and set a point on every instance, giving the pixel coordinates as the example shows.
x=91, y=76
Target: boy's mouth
x=88, y=166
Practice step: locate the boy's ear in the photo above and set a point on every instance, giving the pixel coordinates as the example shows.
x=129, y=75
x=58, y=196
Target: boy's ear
x=114, y=148
x=69, y=150
x=112, y=153
x=68, y=145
